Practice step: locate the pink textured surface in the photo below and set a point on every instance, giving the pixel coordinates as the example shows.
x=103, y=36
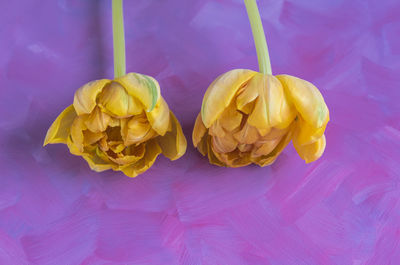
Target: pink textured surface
x=342, y=209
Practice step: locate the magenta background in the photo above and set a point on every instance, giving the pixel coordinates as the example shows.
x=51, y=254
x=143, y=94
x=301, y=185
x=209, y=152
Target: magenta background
x=342, y=209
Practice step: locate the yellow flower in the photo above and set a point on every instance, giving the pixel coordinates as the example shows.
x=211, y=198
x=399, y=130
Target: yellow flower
x=249, y=117
x=121, y=124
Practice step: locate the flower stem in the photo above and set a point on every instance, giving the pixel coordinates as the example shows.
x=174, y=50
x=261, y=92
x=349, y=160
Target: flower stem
x=118, y=38
x=264, y=63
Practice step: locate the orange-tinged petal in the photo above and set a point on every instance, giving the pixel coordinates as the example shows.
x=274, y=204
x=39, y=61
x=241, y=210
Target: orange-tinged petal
x=60, y=129
x=212, y=156
x=220, y=93
x=266, y=147
x=313, y=151
x=216, y=129
x=85, y=97
x=199, y=131
x=159, y=117
x=224, y=144
x=152, y=151
x=307, y=99
x=97, y=121
x=135, y=155
x=247, y=135
x=230, y=119
x=173, y=143
x=116, y=100
x=136, y=130
x=145, y=88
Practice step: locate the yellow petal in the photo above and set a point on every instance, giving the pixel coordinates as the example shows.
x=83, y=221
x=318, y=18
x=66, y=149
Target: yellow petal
x=230, y=119
x=97, y=121
x=60, y=129
x=307, y=99
x=307, y=134
x=266, y=147
x=199, y=131
x=212, y=158
x=152, y=151
x=95, y=161
x=85, y=97
x=216, y=129
x=143, y=87
x=267, y=109
x=159, y=117
x=76, y=136
x=234, y=159
x=136, y=130
x=313, y=151
x=173, y=143
x=116, y=100
x=246, y=96
x=220, y=93
x=91, y=137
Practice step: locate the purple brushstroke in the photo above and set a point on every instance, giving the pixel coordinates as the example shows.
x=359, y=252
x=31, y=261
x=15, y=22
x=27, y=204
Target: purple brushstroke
x=342, y=209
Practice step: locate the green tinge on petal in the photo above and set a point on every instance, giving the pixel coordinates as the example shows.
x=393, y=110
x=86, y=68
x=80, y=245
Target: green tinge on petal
x=85, y=97
x=159, y=117
x=145, y=88
x=60, y=129
x=220, y=93
x=173, y=143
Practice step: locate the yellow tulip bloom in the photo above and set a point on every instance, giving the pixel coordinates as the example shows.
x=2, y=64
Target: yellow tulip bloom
x=121, y=124
x=249, y=117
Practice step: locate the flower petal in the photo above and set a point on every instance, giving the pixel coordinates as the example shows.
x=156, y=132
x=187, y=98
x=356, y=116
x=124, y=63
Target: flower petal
x=97, y=121
x=60, y=129
x=247, y=135
x=116, y=100
x=143, y=87
x=159, y=117
x=76, y=145
x=224, y=144
x=85, y=97
x=220, y=93
x=135, y=154
x=136, y=130
x=307, y=99
x=313, y=151
x=95, y=161
x=199, y=131
x=230, y=119
x=152, y=151
x=173, y=143
x=307, y=134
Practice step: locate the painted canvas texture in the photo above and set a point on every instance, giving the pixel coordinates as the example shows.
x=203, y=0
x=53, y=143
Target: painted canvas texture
x=341, y=209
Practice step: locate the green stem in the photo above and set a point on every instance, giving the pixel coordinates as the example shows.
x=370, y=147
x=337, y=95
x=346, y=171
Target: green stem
x=259, y=37
x=118, y=38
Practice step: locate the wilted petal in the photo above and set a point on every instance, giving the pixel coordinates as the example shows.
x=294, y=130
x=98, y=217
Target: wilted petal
x=199, y=131
x=143, y=87
x=116, y=100
x=151, y=153
x=159, y=117
x=97, y=121
x=216, y=129
x=173, y=143
x=313, y=151
x=135, y=154
x=85, y=97
x=266, y=147
x=220, y=93
x=234, y=159
x=60, y=129
x=307, y=99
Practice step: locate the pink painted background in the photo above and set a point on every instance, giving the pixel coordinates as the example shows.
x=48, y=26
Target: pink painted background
x=342, y=209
